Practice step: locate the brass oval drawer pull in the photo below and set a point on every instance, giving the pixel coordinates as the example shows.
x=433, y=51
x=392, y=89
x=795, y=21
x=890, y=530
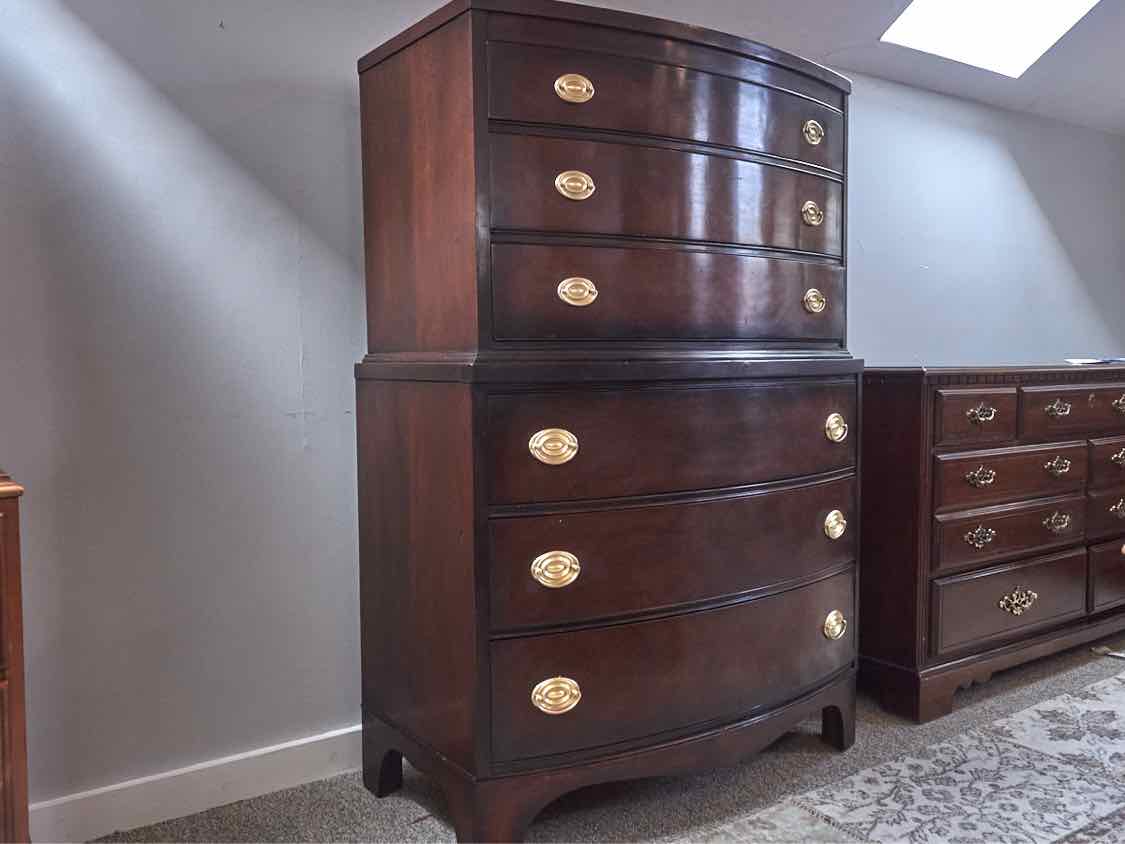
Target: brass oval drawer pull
x=814, y=301
x=1058, y=467
x=835, y=525
x=981, y=414
x=1119, y=459
x=578, y=292
x=555, y=569
x=1058, y=409
x=981, y=477
x=1057, y=522
x=836, y=428
x=574, y=88
x=980, y=536
x=556, y=695
x=812, y=214
x=835, y=626
x=1118, y=509
x=1119, y=404
x=574, y=184
x=1018, y=601
x=813, y=132
x=553, y=446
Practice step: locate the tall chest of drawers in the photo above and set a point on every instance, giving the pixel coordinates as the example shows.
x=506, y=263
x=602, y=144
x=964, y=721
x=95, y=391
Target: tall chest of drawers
x=607, y=419
x=13, y=732
x=994, y=523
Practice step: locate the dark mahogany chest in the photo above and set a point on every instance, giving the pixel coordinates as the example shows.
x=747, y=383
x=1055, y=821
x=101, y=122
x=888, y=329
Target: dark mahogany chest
x=994, y=513
x=607, y=421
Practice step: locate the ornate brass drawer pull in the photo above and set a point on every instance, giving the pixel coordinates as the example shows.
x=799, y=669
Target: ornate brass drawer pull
x=1058, y=409
x=1057, y=522
x=555, y=569
x=813, y=132
x=574, y=184
x=1058, y=467
x=556, y=695
x=578, y=292
x=574, y=88
x=835, y=525
x=981, y=414
x=980, y=536
x=553, y=446
x=1119, y=404
x=1018, y=601
x=1118, y=509
x=981, y=477
x=835, y=626
x=836, y=428
x=812, y=214
x=1119, y=459
x=814, y=301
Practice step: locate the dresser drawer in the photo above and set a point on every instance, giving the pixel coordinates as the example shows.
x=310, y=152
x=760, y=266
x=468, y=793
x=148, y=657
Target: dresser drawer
x=972, y=416
x=976, y=609
x=1107, y=462
x=650, y=192
x=994, y=533
x=636, y=680
x=1105, y=515
x=558, y=569
x=570, y=444
x=654, y=294
x=1107, y=576
x=1055, y=411
x=973, y=479
x=535, y=84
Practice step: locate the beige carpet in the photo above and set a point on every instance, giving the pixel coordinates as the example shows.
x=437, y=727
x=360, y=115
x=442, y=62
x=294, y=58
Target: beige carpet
x=708, y=806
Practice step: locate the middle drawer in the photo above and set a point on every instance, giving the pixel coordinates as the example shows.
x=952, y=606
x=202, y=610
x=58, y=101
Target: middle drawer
x=570, y=567
x=572, y=444
x=975, y=478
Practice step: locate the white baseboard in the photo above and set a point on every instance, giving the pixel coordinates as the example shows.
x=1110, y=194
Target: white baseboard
x=173, y=794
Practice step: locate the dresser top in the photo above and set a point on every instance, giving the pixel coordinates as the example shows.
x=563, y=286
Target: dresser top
x=1024, y=374
x=8, y=487
x=610, y=18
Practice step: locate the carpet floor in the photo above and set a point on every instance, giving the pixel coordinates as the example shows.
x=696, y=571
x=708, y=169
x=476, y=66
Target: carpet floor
x=661, y=809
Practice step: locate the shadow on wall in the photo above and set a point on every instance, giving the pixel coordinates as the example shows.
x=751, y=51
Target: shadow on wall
x=179, y=403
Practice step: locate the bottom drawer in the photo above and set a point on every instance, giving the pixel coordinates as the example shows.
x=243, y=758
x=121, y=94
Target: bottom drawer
x=1107, y=576
x=614, y=684
x=1105, y=513
x=977, y=609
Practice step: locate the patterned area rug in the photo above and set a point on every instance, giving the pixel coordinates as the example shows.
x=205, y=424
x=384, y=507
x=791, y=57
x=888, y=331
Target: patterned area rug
x=1052, y=773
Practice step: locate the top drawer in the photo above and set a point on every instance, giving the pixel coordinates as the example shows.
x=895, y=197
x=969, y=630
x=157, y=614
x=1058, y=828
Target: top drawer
x=1055, y=411
x=975, y=416
x=595, y=91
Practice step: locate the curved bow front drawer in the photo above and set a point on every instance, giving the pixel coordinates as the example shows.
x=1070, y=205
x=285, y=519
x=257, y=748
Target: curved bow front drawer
x=536, y=84
x=570, y=444
x=1055, y=411
x=626, y=189
x=588, y=688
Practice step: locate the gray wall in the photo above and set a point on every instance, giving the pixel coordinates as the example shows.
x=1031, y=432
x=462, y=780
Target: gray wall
x=182, y=305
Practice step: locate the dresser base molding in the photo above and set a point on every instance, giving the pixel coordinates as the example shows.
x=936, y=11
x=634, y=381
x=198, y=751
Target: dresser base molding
x=501, y=808
x=926, y=694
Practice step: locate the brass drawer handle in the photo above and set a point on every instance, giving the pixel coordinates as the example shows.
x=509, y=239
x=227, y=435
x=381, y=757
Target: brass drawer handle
x=1119, y=459
x=1018, y=601
x=813, y=132
x=555, y=569
x=556, y=695
x=1119, y=404
x=981, y=414
x=980, y=536
x=553, y=446
x=578, y=292
x=1058, y=409
x=981, y=477
x=574, y=88
x=1058, y=467
x=836, y=428
x=814, y=301
x=835, y=626
x=1118, y=509
x=835, y=525
x=812, y=214
x=574, y=184
x=1057, y=522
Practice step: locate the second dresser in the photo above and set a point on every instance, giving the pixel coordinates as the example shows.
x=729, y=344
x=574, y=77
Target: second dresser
x=607, y=420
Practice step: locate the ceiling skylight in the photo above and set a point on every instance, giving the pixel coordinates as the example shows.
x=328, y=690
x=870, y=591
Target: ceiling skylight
x=1004, y=36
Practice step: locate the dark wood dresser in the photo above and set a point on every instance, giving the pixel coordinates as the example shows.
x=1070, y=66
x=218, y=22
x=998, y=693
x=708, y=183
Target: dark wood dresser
x=13, y=732
x=994, y=523
x=607, y=422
